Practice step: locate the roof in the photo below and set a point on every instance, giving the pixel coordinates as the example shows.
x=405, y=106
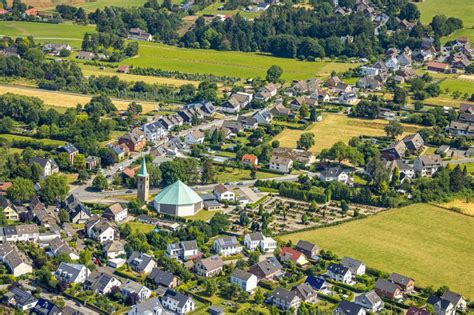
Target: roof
x=139, y=260
x=70, y=269
x=162, y=277
x=338, y=269
x=143, y=172
x=284, y=294
x=177, y=193
x=305, y=245
x=351, y=263
x=42, y=161
x=371, y=296
x=316, y=282
x=182, y=299
x=242, y=274
x=98, y=281
x=443, y=304
x=386, y=286
x=21, y=297
x=437, y=65
x=189, y=245
x=113, y=246
x=252, y=159
x=221, y=189
x=46, y=307
x=347, y=307
x=212, y=263
x=68, y=148
x=151, y=306
x=399, y=279
x=281, y=159
x=452, y=297
x=227, y=241
x=267, y=267
x=417, y=311
x=294, y=254
x=257, y=236
x=304, y=291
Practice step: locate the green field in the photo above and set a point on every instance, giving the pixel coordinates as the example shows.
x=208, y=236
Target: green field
x=432, y=245
x=463, y=86
x=235, y=175
x=43, y=32
x=213, y=10
x=141, y=227
x=237, y=64
x=203, y=215
x=17, y=137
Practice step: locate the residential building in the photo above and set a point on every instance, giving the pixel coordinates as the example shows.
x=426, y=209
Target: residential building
x=441, y=306
x=248, y=122
x=437, y=67
x=9, y=210
x=388, y=289
x=85, y=55
x=154, y=131
x=139, y=34
x=48, y=166
x=101, y=283
x=427, y=165
x=346, y=308
x=284, y=299
x=58, y=247
x=21, y=233
x=263, y=116
x=194, y=137
x=252, y=241
x=4, y=187
x=246, y=280
x=178, y=302
x=149, y=307
x=233, y=126
x=370, y=301
x=280, y=110
x=336, y=173
x=269, y=269
x=209, y=267
x=414, y=142
x=236, y=102
x=338, y=272
x=78, y=213
x=227, y=246
x=306, y=293
x=417, y=311
x=113, y=249
x=459, y=128
x=309, y=249
x=319, y=284
x=135, y=140
x=116, y=213
x=70, y=150
x=92, y=162
x=394, y=151
x=456, y=299
x=281, y=163
x=72, y=273
x=288, y=253
x=46, y=307
x=356, y=267
x=249, y=159
x=141, y=263
x=406, y=284
x=19, y=299
x=163, y=278
x=266, y=92
x=185, y=250
x=16, y=262
x=178, y=199
x=222, y=193
x=132, y=287
x=101, y=230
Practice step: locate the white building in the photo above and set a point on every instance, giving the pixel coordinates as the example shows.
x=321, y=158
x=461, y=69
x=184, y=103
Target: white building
x=356, y=267
x=72, y=273
x=339, y=273
x=244, y=279
x=194, y=137
x=100, y=230
x=178, y=302
x=130, y=287
x=256, y=240
x=227, y=246
x=427, y=165
x=178, y=199
x=223, y=193
x=281, y=163
x=116, y=213
x=154, y=131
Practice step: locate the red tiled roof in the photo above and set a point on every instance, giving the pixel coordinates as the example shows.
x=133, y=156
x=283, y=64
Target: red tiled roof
x=288, y=251
x=249, y=158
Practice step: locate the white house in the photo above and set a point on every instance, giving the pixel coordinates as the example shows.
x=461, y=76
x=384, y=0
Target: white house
x=16, y=263
x=244, y=279
x=346, y=307
x=194, y=137
x=369, y=71
x=223, y=193
x=370, y=301
x=252, y=241
x=154, y=131
x=263, y=116
x=335, y=174
x=48, y=166
x=178, y=302
x=116, y=213
x=100, y=282
x=227, y=246
x=184, y=250
x=356, y=267
x=72, y=273
x=19, y=299
x=141, y=263
x=130, y=287
x=339, y=273
x=100, y=230
x=392, y=63
x=281, y=163
x=427, y=165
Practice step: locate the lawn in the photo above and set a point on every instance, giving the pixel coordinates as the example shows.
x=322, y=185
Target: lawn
x=88, y=5
x=17, y=137
x=141, y=227
x=228, y=63
x=64, y=99
x=458, y=84
x=46, y=32
x=334, y=128
x=203, y=215
x=236, y=175
x=213, y=10
x=432, y=245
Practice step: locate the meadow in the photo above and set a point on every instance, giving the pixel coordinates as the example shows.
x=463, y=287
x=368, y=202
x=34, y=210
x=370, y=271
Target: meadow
x=431, y=245
x=88, y=5
x=463, y=205
x=228, y=63
x=334, y=128
x=45, y=32
x=213, y=9
x=11, y=137
x=63, y=99
x=235, y=175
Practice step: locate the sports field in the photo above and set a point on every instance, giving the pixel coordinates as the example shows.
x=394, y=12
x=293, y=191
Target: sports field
x=237, y=64
x=432, y=245
x=334, y=128
x=62, y=99
x=45, y=32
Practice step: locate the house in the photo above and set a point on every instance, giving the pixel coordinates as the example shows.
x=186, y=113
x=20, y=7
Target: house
x=123, y=69
x=188, y=115
x=284, y=299
x=85, y=55
x=92, y=162
x=163, y=278
x=70, y=150
x=319, y=284
x=269, y=269
x=458, y=128
x=171, y=121
x=100, y=282
x=101, y=230
x=336, y=173
x=113, y=249
x=15, y=261
x=369, y=83
x=414, y=143
x=227, y=246
x=72, y=273
x=141, y=263
x=139, y=34
x=222, y=193
x=394, y=151
x=209, y=267
x=245, y=280
x=437, y=67
x=152, y=306
x=266, y=92
x=404, y=60
x=288, y=253
x=134, y=140
x=55, y=49
x=441, y=306
x=302, y=157
x=281, y=163
x=406, y=284
x=236, y=102
x=370, y=301
x=116, y=213
x=194, y=137
x=131, y=287
x=185, y=250
x=309, y=249
x=178, y=302
x=78, y=213
x=427, y=165
x=19, y=299
x=338, y=272
x=248, y=122
x=9, y=210
x=48, y=166
x=154, y=131
x=416, y=311
x=388, y=289
x=263, y=116
x=206, y=107
x=345, y=308
x=392, y=63
x=252, y=241
x=306, y=293
x=356, y=267
x=456, y=299
x=58, y=247
x=46, y=307
x=249, y=159
x=233, y=126
x=280, y=110
x=21, y=233
x=4, y=187
x=216, y=310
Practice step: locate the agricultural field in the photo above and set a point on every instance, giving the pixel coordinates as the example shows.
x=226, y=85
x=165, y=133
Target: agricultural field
x=88, y=5
x=63, y=99
x=228, y=63
x=92, y=70
x=425, y=242
x=43, y=32
x=213, y=9
x=465, y=206
x=11, y=137
x=334, y=128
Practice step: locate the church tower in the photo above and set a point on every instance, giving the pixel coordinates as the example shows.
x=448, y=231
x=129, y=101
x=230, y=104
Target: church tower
x=143, y=183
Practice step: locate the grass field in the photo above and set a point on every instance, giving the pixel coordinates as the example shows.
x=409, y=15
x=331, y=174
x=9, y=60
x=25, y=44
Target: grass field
x=466, y=206
x=458, y=84
x=213, y=10
x=92, y=70
x=334, y=128
x=43, y=32
x=60, y=99
x=203, y=215
x=236, y=175
x=141, y=227
x=17, y=137
x=432, y=245
x=88, y=5
x=237, y=64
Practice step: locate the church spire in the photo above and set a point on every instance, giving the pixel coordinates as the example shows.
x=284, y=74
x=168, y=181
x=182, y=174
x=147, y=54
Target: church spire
x=143, y=171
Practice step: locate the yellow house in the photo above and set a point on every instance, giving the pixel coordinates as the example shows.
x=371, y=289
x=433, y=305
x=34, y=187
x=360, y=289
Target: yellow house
x=9, y=210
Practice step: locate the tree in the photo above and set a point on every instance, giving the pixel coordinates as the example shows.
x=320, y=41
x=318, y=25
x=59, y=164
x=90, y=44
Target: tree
x=83, y=175
x=54, y=188
x=210, y=287
x=22, y=189
x=274, y=73
x=253, y=258
x=275, y=144
x=306, y=141
x=394, y=129
x=207, y=175
x=100, y=183
x=253, y=173
x=63, y=216
x=85, y=257
x=304, y=111
x=258, y=297
x=400, y=95
x=344, y=207
x=304, y=218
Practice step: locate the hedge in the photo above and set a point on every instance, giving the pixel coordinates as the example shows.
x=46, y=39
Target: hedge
x=329, y=298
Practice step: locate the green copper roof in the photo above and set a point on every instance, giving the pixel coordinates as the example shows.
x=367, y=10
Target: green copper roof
x=143, y=171
x=178, y=193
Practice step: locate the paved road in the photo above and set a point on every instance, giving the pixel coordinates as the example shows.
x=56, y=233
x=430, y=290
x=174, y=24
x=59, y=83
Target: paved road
x=84, y=310
x=460, y=161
